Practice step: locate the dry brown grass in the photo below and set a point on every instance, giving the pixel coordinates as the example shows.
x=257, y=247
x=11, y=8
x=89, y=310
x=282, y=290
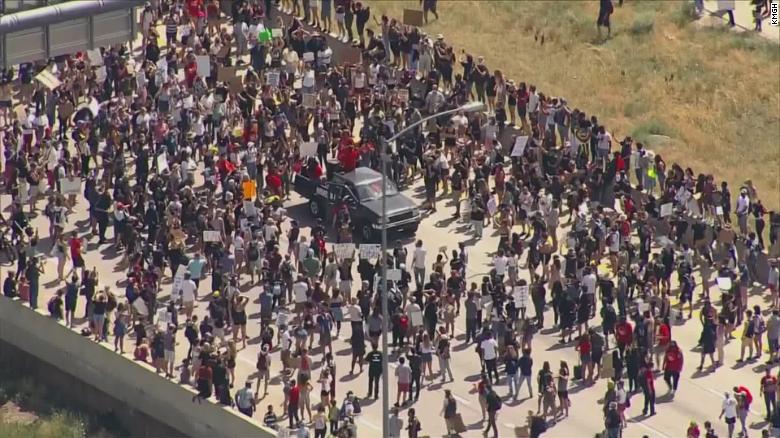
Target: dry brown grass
x=721, y=108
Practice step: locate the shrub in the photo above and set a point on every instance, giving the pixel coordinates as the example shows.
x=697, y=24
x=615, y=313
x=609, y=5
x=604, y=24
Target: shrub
x=685, y=13
x=642, y=25
x=650, y=128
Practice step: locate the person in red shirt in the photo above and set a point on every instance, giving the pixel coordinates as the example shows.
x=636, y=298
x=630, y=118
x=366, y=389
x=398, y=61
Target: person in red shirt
x=663, y=336
x=584, y=348
x=769, y=392
x=348, y=158
x=274, y=182
x=190, y=72
x=673, y=363
x=624, y=334
x=75, y=245
x=648, y=388
x=292, y=406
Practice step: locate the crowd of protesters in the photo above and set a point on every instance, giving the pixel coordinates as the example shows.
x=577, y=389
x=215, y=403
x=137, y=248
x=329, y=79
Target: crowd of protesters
x=187, y=176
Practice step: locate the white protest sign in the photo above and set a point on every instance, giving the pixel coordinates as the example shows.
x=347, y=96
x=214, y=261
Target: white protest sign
x=394, y=274
x=95, y=57
x=272, y=78
x=162, y=163
x=519, y=147
x=140, y=306
x=415, y=318
x=204, y=65
x=188, y=102
x=71, y=186
x=719, y=210
x=276, y=33
x=161, y=317
x=492, y=206
x=370, y=250
x=666, y=209
x=520, y=295
x=308, y=149
x=344, y=250
x=308, y=56
x=178, y=279
x=249, y=208
x=100, y=73
x=211, y=236
x=724, y=283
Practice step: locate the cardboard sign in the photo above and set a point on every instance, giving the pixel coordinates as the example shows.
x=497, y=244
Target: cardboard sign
x=394, y=274
x=211, y=236
x=413, y=17
x=520, y=295
x=519, y=147
x=236, y=84
x=309, y=100
x=162, y=163
x=204, y=65
x=666, y=209
x=344, y=250
x=224, y=74
x=71, y=186
x=47, y=78
x=370, y=250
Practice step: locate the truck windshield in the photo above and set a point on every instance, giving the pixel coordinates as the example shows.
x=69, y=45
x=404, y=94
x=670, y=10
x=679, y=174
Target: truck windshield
x=372, y=190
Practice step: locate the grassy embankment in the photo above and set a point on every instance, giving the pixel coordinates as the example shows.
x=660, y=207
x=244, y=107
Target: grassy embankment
x=706, y=98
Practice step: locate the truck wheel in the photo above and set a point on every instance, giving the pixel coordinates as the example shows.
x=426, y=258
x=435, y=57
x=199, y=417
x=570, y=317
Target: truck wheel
x=314, y=208
x=367, y=232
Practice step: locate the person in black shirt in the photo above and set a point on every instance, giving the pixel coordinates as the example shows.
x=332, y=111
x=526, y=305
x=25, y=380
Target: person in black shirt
x=374, y=359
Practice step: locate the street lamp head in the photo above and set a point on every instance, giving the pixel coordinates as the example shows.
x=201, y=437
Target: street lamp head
x=472, y=107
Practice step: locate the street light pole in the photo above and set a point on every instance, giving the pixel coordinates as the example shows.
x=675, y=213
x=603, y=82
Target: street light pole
x=469, y=108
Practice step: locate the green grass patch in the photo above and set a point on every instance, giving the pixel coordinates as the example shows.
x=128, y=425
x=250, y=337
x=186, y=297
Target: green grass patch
x=644, y=131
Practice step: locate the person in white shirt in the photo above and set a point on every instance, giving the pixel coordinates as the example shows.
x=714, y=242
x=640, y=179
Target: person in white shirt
x=189, y=292
x=489, y=349
x=729, y=411
x=500, y=263
x=742, y=210
x=418, y=264
x=604, y=144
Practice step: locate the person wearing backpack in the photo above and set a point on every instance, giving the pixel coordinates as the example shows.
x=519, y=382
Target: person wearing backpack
x=748, y=332
x=494, y=404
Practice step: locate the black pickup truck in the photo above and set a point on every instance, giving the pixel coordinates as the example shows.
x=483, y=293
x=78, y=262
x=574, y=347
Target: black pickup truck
x=361, y=189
